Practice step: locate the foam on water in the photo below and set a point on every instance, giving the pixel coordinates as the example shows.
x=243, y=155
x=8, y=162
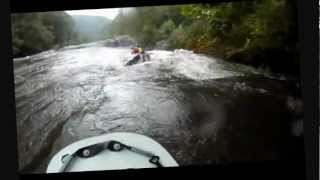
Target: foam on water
x=190, y=65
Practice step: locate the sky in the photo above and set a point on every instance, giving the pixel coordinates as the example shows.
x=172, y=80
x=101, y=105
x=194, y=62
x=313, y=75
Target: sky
x=109, y=13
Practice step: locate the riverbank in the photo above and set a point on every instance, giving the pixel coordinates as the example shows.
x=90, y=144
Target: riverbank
x=262, y=34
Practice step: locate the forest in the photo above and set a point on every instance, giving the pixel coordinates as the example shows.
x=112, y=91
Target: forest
x=258, y=33
x=36, y=32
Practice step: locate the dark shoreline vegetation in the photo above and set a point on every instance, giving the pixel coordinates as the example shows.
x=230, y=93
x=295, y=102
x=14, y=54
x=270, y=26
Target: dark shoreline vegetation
x=262, y=33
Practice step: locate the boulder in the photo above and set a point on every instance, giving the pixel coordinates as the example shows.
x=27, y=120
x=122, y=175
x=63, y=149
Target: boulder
x=124, y=41
x=110, y=42
x=120, y=41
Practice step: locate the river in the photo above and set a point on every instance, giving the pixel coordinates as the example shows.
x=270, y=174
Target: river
x=201, y=109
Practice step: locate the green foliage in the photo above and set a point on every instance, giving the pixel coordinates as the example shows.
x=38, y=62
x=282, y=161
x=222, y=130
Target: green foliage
x=177, y=38
x=262, y=33
x=36, y=32
x=166, y=29
x=30, y=37
x=60, y=24
x=147, y=25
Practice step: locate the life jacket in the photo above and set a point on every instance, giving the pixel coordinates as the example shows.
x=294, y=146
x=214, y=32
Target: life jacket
x=141, y=50
x=137, y=50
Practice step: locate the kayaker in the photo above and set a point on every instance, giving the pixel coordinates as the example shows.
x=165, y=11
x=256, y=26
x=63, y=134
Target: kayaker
x=139, y=52
x=141, y=56
x=136, y=50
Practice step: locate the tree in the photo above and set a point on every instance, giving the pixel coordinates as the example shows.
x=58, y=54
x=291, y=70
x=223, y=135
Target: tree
x=166, y=28
x=36, y=32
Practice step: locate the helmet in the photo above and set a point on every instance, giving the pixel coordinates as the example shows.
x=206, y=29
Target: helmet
x=135, y=50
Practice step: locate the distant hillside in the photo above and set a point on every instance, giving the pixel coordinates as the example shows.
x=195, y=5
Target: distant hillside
x=91, y=27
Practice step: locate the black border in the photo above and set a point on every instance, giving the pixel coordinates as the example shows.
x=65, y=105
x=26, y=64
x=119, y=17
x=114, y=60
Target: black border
x=266, y=170
x=308, y=17
x=309, y=35
x=8, y=125
x=40, y=5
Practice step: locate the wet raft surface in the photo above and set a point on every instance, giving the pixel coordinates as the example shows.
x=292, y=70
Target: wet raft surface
x=201, y=109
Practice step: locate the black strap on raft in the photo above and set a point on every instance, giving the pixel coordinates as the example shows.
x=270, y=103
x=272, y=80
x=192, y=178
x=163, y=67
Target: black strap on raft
x=115, y=146
x=118, y=146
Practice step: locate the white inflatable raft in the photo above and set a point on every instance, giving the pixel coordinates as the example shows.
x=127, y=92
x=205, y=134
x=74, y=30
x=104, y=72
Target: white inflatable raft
x=111, y=152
